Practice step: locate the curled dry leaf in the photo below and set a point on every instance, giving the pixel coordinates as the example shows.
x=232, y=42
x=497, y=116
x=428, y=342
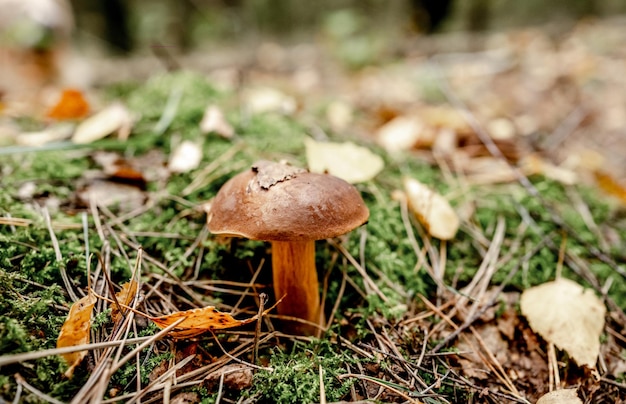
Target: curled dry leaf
x=71, y=105
x=566, y=396
x=185, y=157
x=114, y=118
x=569, y=316
x=347, y=161
x=214, y=121
x=125, y=296
x=75, y=331
x=432, y=210
x=198, y=321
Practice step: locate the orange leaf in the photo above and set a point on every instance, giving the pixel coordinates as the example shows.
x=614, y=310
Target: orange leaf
x=198, y=321
x=124, y=297
x=72, y=105
x=609, y=185
x=75, y=331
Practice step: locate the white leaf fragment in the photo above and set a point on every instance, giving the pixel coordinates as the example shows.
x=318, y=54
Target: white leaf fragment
x=268, y=99
x=114, y=118
x=347, y=161
x=567, y=315
x=52, y=134
x=432, y=210
x=185, y=157
x=401, y=133
x=214, y=121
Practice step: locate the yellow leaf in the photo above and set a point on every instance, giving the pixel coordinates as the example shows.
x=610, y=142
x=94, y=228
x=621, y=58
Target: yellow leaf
x=347, y=161
x=431, y=209
x=75, y=331
x=114, y=118
x=124, y=297
x=569, y=316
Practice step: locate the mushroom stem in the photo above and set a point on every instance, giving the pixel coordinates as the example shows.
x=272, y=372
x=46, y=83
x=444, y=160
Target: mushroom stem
x=295, y=277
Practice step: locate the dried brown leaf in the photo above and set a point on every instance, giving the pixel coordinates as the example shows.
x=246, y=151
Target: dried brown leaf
x=124, y=297
x=75, y=331
x=198, y=321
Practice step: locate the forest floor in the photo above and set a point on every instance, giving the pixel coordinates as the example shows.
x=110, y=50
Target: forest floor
x=522, y=133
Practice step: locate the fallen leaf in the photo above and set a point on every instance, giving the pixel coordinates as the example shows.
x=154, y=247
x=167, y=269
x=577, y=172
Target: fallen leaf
x=75, y=331
x=339, y=115
x=52, y=134
x=108, y=193
x=347, y=161
x=120, y=169
x=114, y=118
x=501, y=129
x=269, y=173
x=234, y=377
x=403, y=133
x=485, y=170
x=566, y=396
x=124, y=297
x=267, y=99
x=213, y=120
x=432, y=210
x=474, y=364
x=198, y=321
x=610, y=185
x=185, y=157
x=71, y=105
x=569, y=316
x=533, y=164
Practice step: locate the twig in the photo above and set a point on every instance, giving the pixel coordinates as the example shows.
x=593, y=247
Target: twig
x=257, y=329
x=22, y=382
x=28, y=356
x=366, y=278
x=322, y=388
x=59, y=257
x=166, y=375
x=470, y=320
x=252, y=365
x=381, y=384
x=169, y=112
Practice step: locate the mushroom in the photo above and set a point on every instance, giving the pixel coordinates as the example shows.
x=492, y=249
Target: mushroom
x=291, y=208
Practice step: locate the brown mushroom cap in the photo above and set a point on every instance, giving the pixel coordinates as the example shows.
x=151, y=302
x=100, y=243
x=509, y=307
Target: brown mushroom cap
x=278, y=202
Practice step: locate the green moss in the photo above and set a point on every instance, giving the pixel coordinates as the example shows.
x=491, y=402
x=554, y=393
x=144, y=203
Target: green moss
x=295, y=375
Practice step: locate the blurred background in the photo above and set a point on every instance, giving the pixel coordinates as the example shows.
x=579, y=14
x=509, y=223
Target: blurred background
x=123, y=26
